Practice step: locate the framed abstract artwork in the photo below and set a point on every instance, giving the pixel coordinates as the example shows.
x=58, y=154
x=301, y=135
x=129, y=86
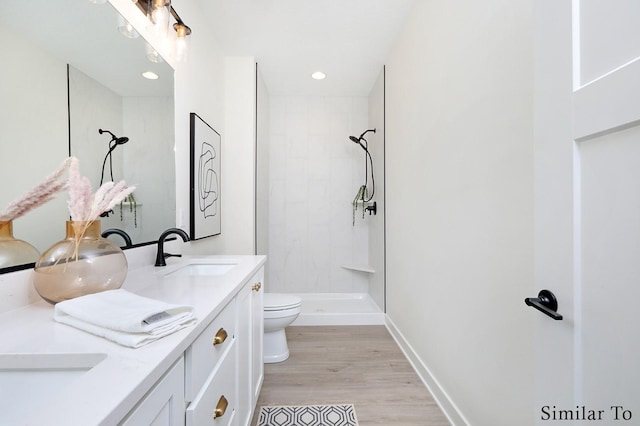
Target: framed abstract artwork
x=204, y=180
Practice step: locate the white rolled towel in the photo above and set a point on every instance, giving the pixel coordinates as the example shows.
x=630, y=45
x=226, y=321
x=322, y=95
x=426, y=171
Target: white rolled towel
x=123, y=317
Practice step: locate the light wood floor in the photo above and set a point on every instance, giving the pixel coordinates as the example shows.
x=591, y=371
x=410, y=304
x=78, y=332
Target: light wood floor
x=360, y=365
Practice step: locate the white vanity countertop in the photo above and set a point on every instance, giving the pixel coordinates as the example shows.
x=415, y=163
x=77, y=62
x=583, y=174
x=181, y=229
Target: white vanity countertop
x=107, y=392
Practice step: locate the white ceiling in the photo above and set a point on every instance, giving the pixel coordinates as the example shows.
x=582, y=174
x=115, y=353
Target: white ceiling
x=349, y=40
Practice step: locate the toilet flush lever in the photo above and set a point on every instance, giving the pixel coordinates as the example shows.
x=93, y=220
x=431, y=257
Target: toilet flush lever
x=546, y=303
x=257, y=286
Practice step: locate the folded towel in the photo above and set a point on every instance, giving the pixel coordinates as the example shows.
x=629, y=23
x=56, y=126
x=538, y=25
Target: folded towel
x=123, y=317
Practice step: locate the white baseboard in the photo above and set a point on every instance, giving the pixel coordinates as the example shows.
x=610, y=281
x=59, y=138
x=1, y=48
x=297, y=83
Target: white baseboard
x=447, y=405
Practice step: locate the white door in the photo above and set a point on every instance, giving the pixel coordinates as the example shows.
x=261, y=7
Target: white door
x=587, y=218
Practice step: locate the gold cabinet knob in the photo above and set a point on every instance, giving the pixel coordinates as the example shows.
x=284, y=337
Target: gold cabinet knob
x=220, y=337
x=257, y=286
x=221, y=407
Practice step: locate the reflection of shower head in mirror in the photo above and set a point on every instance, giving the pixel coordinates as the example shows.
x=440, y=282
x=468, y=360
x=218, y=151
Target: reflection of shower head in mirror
x=113, y=143
x=367, y=131
x=114, y=138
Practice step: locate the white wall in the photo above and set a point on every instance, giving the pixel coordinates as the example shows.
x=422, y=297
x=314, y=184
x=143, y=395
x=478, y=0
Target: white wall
x=459, y=204
x=238, y=160
x=199, y=88
x=376, y=223
x=315, y=172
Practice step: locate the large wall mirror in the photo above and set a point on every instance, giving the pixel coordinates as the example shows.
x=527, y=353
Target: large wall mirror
x=69, y=69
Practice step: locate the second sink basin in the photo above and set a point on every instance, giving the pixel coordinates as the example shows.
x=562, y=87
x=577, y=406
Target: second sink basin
x=204, y=269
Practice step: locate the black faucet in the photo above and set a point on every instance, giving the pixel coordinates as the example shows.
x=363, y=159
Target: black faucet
x=161, y=255
x=124, y=235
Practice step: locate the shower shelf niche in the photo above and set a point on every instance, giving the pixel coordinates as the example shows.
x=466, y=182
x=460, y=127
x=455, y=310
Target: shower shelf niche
x=361, y=268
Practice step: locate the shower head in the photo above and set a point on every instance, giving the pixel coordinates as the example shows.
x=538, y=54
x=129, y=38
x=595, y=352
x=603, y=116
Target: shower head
x=357, y=140
x=114, y=138
x=113, y=143
x=361, y=138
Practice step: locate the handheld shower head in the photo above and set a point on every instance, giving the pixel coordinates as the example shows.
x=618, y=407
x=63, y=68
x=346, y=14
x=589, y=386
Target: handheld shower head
x=113, y=143
x=367, y=160
x=361, y=138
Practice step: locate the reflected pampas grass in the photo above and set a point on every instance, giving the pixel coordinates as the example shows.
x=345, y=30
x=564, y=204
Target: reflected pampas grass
x=85, y=207
x=38, y=195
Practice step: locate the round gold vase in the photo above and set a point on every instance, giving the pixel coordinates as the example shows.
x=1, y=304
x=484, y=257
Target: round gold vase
x=82, y=263
x=13, y=251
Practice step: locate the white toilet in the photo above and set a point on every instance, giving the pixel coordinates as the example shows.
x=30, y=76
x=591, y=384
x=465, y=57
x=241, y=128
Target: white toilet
x=280, y=310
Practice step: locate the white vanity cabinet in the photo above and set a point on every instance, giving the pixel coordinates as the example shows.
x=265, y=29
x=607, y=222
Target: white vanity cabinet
x=210, y=372
x=218, y=380
x=164, y=404
x=250, y=343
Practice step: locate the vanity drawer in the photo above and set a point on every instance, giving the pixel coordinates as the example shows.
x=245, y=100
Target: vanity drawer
x=215, y=405
x=202, y=356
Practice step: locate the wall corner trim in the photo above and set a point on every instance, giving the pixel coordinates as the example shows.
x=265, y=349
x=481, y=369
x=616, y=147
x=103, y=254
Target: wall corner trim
x=449, y=408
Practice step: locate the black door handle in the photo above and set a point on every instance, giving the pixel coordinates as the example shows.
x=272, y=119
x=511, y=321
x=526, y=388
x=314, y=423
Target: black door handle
x=546, y=303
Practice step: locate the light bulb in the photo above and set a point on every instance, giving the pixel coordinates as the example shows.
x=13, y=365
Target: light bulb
x=159, y=17
x=182, y=41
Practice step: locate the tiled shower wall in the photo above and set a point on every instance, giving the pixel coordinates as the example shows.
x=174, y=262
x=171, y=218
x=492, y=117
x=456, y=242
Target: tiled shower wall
x=315, y=172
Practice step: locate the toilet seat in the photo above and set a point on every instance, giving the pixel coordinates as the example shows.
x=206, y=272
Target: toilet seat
x=280, y=302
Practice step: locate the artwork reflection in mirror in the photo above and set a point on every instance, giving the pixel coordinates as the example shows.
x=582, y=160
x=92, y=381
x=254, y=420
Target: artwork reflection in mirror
x=63, y=80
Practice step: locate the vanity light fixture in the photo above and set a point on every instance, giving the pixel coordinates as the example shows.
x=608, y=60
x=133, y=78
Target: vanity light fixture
x=158, y=13
x=318, y=75
x=150, y=75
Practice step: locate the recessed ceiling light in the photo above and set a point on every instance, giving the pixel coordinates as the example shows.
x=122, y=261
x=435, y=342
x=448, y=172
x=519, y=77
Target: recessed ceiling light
x=318, y=75
x=150, y=75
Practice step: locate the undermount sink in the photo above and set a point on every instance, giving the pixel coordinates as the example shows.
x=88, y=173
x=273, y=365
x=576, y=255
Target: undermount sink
x=204, y=269
x=29, y=380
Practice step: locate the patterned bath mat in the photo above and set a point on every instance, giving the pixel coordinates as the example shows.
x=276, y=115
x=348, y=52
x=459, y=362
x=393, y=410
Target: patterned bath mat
x=308, y=415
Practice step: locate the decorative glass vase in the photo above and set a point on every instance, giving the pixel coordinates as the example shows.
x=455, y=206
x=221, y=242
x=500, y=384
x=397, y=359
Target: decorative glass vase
x=82, y=263
x=13, y=251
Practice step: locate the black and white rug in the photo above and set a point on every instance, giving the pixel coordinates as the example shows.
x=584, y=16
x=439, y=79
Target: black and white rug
x=308, y=415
